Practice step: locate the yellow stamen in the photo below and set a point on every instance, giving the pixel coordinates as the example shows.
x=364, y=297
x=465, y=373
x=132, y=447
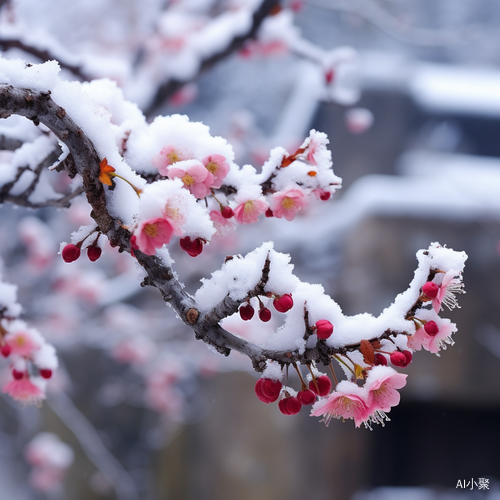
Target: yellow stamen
x=287, y=203
x=211, y=167
x=173, y=156
x=151, y=230
x=188, y=180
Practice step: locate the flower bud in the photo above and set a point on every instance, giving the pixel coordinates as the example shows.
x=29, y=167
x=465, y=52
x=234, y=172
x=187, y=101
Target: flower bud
x=269, y=213
x=408, y=357
x=431, y=328
x=398, y=358
x=324, y=385
x=70, y=253
x=17, y=375
x=246, y=312
x=259, y=393
x=430, y=289
x=191, y=247
x=265, y=314
x=284, y=303
x=6, y=350
x=289, y=406
x=306, y=397
x=380, y=359
x=323, y=329
x=271, y=388
x=93, y=253
x=45, y=373
x=227, y=212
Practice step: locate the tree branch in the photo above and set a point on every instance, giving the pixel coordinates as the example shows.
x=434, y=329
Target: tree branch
x=173, y=85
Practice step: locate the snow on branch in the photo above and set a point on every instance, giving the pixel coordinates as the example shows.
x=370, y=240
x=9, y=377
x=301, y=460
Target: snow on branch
x=148, y=184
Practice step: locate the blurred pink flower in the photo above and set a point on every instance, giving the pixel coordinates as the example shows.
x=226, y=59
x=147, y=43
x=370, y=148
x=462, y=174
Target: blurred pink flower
x=152, y=234
x=22, y=342
x=221, y=224
x=24, y=390
x=288, y=203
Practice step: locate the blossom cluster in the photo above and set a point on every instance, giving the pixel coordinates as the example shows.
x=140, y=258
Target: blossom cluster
x=362, y=345
x=32, y=359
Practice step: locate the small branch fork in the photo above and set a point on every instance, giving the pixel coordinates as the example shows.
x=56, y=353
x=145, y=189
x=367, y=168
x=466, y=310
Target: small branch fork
x=40, y=108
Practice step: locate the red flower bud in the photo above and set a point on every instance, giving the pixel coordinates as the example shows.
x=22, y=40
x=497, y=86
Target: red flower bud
x=306, y=397
x=398, y=358
x=271, y=388
x=289, y=406
x=325, y=196
x=45, y=373
x=282, y=406
x=246, y=312
x=192, y=247
x=380, y=359
x=431, y=328
x=269, y=213
x=284, y=303
x=227, y=212
x=265, y=314
x=6, y=350
x=324, y=385
x=93, y=253
x=259, y=393
x=430, y=289
x=70, y=253
x=293, y=405
x=323, y=329
x=17, y=375
x=408, y=357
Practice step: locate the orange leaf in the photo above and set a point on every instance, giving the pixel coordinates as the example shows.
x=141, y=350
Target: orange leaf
x=367, y=351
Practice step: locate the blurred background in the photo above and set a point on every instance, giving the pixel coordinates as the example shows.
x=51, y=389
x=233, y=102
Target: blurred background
x=151, y=415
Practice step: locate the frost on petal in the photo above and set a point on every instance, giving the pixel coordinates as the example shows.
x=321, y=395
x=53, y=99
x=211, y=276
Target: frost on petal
x=27, y=390
x=348, y=401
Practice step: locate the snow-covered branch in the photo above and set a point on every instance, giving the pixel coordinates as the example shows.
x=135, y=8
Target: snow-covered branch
x=149, y=183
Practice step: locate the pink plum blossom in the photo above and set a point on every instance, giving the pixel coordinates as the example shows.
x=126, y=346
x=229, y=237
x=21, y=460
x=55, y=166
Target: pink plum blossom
x=217, y=165
x=312, y=151
x=175, y=212
x=382, y=382
x=249, y=211
x=450, y=285
x=24, y=390
x=166, y=157
x=23, y=342
x=196, y=178
x=433, y=343
x=221, y=224
x=288, y=203
x=347, y=401
x=152, y=234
